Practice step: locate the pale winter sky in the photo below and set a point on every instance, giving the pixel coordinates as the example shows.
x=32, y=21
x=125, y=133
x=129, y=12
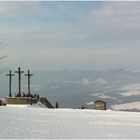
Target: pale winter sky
x=43, y=35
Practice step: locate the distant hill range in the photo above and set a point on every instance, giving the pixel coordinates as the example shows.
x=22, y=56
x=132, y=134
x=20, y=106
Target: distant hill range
x=73, y=88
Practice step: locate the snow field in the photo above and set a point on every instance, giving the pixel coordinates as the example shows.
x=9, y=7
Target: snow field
x=24, y=122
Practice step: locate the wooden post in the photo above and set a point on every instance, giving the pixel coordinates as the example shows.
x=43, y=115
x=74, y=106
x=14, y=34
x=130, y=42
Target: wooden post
x=10, y=82
x=19, y=79
x=29, y=75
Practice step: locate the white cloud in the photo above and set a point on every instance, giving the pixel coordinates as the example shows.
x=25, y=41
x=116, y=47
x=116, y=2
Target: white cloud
x=7, y=6
x=101, y=81
x=130, y=93
x=90, y=103
x=130, y=90
x=117, y=21
x=85, y=81
x=118, y=13
x=102, y=96
x=12, y=7
x=117, y=8
x=132, y=87
x=104, y=39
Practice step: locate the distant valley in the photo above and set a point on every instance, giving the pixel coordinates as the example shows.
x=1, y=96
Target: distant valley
x=72, y=88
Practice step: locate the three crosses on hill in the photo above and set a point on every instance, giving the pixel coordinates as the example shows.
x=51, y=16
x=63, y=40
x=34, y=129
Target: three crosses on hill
x=19, y=81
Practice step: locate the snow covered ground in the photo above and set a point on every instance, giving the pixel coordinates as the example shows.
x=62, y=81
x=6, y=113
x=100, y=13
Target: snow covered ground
x=28, y=122
x=127, y=106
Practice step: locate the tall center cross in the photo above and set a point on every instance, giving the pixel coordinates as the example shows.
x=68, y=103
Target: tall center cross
x=19, y=78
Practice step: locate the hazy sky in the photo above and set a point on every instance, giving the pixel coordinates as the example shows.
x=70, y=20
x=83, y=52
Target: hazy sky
x=82, y=35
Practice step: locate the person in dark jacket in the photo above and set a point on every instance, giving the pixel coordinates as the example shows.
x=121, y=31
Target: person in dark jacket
x=56, y=105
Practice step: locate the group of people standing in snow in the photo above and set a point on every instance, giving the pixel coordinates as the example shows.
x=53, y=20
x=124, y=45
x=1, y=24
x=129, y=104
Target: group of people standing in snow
x=28, y=95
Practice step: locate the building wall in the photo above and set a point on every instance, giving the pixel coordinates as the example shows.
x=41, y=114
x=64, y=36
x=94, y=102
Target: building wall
x=19, y=100
x=100, y=105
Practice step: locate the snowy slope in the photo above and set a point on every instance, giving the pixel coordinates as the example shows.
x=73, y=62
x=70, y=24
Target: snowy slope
x=127, y=106
x=26, y=122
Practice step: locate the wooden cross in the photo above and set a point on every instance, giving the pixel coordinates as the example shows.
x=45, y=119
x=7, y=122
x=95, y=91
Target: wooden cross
x=29, y=75
x=10, y=81
x=19, y=77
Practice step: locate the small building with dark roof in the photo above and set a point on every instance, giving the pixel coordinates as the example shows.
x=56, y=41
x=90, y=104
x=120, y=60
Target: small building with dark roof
x=100, y=105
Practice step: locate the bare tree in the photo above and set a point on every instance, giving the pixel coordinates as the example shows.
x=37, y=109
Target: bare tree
x=2, y=45
x=3, y=56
